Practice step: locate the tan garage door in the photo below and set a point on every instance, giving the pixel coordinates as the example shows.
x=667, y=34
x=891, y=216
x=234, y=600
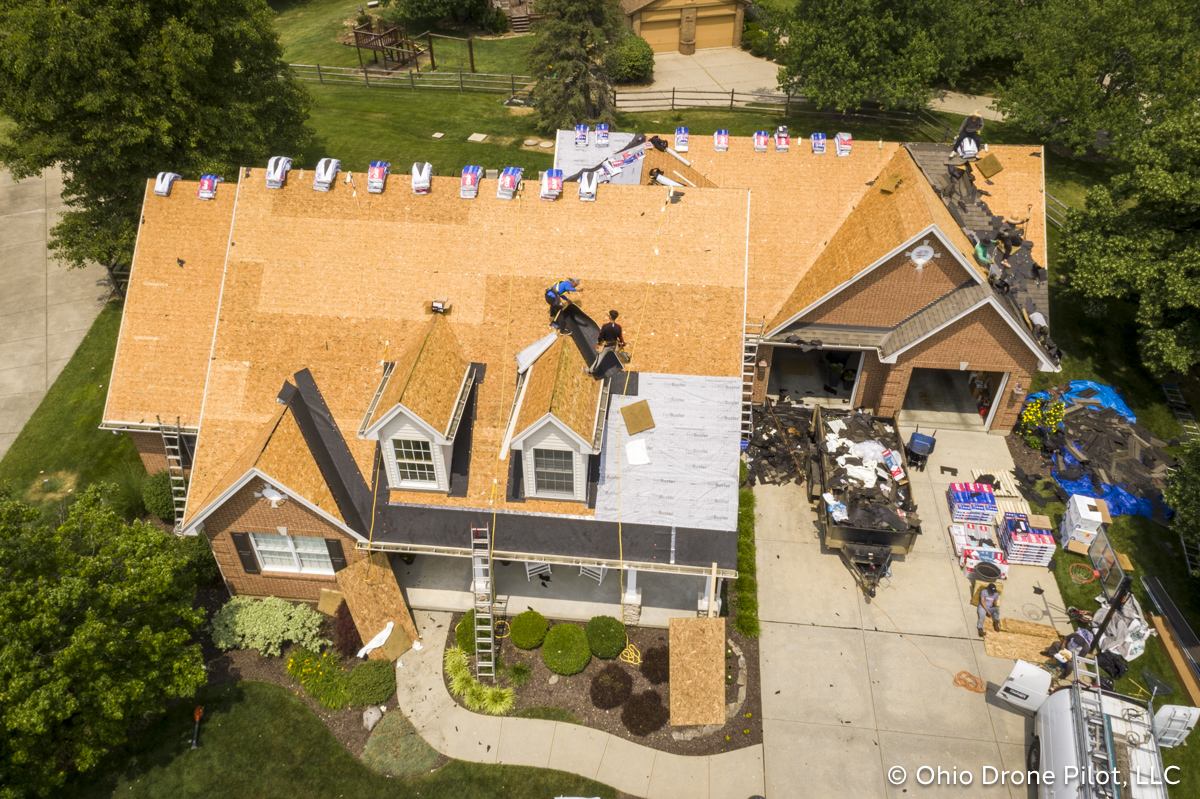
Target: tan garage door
x=714, y=31
x=663, y=35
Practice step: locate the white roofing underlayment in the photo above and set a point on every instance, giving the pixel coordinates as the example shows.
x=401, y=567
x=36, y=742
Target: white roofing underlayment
x=691, y=477
x=571, y=160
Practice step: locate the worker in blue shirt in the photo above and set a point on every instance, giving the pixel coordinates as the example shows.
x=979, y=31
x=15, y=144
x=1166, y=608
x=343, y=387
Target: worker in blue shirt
x=557, y=299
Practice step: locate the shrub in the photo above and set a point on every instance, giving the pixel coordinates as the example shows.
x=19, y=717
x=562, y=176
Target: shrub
x=322, y=677
x=372, y=682
x=1032, y=441
x=498, y=701
x=464, y=633
x=455, y=661
x=611, y=687
x=745, y=587
x=751, y=33
x=346, y=639
x=528, y=630
x=266, y=625
x=156, y=495
x=565, y=650
x=519, y=674
x=461, y=682
x=198, y=559
x=126, y=497
x=606, y=637
x=656, y=665
x=644, y=713
x=630, y=59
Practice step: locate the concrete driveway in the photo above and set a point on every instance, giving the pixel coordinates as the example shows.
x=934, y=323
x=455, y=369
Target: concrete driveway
x=717, y=69
x=852, y=689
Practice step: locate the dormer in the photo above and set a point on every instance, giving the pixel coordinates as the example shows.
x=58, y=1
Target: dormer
x=557, y=423
x=417, y=410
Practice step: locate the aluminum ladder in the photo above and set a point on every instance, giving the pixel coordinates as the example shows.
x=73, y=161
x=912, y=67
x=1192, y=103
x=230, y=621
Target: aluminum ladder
x=1092, y=734
x=172, y=437
x=751, y=338
x=485, y=614
x=1183, y=411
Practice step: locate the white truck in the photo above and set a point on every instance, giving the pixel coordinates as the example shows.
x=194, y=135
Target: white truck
x=1090, y=743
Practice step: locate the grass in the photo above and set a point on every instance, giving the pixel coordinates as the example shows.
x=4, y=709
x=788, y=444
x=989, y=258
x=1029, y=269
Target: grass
x=396, y=748
x=547, y=713
x=258, y=740
x=63, y=438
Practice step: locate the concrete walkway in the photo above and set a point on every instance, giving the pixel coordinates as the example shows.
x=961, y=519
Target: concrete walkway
x=45, y=309
x=627, y=766
x=965, y=104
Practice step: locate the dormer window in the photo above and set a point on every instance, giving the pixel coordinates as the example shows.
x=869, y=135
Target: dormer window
x=554, y=473
x=414, y=461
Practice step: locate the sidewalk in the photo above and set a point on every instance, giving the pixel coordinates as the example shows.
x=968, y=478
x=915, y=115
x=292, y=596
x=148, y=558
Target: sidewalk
x=627, y=766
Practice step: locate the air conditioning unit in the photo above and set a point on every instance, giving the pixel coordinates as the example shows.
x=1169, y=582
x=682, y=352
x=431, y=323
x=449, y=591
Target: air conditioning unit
x=601, y=135
x=552, y=184
x=277, y=170
x=721, y=140
x=164, y=182
x=581, y=136
x=327, y=172
x=377, y=175
x=782, y=140
x=818, y=143
x=587, y=187
x=468, y=187
x=761, y=140
x=510, y=182
x=681, y=140
x=208, y=186
x=422, y=177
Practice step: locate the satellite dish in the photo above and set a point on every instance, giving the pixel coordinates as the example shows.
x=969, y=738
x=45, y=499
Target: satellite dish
x=922, y=255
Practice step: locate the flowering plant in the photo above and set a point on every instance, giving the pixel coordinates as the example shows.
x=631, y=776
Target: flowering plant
x=321, y=676
x=1042, y=414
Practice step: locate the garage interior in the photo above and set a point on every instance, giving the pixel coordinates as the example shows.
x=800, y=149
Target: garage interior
x=952, y=399
x=816, y=377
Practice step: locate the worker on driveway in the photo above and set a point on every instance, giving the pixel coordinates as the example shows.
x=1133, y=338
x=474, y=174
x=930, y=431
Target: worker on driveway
x=611, y=339
x=557, y=299
x=989, y=605
x=1076, y=644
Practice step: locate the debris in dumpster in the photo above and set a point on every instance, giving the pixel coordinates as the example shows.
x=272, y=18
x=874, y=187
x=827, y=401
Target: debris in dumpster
x=864, y=471
x=780, y=444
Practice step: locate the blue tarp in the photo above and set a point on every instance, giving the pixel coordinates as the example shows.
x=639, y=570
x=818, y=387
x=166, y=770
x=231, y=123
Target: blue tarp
x=1120, y=502
x=1105, y=395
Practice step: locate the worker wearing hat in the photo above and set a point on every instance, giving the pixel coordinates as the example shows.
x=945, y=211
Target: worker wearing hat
x=989, y=605
x=557, y=299
x=610, y=339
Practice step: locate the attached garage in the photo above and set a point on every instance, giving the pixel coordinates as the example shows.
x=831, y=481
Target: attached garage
x=668, y=24
x=716, y=30
x=662, y=34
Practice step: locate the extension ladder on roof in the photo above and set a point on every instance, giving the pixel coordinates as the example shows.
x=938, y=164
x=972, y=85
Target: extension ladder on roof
x=751, y=337
x=172, y=436
x=1182, y=410
x=485, y=619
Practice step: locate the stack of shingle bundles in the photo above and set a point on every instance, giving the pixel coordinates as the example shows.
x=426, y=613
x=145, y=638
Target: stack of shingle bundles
x=1024, y=544
x=971, y=535
x=972, y=502
x=510, y=179
x=468, y=189
x=973, y=556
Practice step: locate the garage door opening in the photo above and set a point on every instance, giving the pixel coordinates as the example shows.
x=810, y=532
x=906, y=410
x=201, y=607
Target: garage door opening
x=952, y=399
x=817, y=377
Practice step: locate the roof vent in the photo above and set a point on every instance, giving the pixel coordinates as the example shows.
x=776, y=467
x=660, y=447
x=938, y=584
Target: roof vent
x=581, y=136
x=681, y=140
x=601, y=135
x=377, y=175
x=818, y=143
x=842, y=143
x=510, y=182
x=922, y=255
x=468, y=187
x=721, y=140
x=782, y=139
x=761, y=137
x=327, y=171
x=208, y=186
x=587, y=187
x=163, y=183
x=552, y=184
x=422, y=177
x=277, y=169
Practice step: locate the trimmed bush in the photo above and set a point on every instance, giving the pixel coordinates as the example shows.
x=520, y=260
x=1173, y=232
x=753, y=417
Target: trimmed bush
x=656, y=665
x=565, y=650
x=266, y=625
x=528, y=630
x=322, y=677
x=606, y=637
x=644, y=713
x=156, y=496
x=464, y=633
x=611, y=687
x=372, y=683
x=745, y=587
x=630, y=59
x=346, y=639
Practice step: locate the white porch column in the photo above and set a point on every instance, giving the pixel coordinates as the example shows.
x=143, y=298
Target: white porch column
x=631, y=589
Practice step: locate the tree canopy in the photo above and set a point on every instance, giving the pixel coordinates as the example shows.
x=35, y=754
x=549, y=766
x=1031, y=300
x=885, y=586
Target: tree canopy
x=116, y=91
x=96, y=623
x=567, y=58
x=1183, y=495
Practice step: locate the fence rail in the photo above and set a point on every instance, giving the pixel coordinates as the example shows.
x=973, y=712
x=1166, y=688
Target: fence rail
x=412, y=80
x=1056, y=210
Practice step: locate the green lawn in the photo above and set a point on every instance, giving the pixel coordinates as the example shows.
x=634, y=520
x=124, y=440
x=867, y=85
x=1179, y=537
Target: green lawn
x=258, y=741
x=63, y=435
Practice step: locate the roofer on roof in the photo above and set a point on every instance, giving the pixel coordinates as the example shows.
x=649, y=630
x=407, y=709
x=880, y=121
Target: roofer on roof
x=611, y=339
x=557, y=299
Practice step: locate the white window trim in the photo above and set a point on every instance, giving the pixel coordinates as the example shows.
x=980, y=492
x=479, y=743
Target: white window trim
x=403, y=484
x=559, y=495
x=291, y=544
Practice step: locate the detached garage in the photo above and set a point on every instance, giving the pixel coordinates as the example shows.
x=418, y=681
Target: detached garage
x=685, y=26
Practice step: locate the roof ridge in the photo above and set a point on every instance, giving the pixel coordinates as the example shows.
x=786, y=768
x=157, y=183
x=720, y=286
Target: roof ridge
x=413, y=369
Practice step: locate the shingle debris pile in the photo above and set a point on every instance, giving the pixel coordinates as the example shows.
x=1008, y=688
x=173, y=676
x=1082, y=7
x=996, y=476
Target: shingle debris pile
x=864, y=472
x=781, y=446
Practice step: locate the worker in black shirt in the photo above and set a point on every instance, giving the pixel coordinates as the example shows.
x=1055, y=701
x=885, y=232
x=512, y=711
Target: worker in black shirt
x=611, y=338
x=1010, y=240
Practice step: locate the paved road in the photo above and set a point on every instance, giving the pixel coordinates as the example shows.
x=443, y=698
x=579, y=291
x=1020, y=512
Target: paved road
x=45, y=309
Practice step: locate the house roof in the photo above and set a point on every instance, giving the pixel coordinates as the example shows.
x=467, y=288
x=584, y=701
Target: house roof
x=170, y=308
x=427, y=377
x=558, y=384
x=633, y=6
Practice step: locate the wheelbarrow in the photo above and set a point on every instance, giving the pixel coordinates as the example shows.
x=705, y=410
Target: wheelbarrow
x=919, y=448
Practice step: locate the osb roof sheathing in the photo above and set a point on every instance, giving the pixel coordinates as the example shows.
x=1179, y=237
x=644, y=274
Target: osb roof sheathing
x=558, y=384
x=373, y=598
x=428, y=378
x=174, y=289
x=323, y=280
x=1019, y=188
x=697, y=671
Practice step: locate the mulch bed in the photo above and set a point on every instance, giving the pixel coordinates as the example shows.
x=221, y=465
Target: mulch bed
x=1028, y=459
x=574, y=693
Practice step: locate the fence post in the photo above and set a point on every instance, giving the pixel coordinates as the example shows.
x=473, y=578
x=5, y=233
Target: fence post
x=367, y=78
x=460, y=82
x=672, y=98
x=432, y=63
x=319, y=78
x=787, y=105
x=512, y=79
x=412, y=80
x=731, y=99
x=471, y=53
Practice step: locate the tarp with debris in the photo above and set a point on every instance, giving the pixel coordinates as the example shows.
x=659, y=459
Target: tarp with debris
x=1086, y=392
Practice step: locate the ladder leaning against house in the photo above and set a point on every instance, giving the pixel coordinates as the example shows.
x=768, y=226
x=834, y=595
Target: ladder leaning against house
x=172, y=436
x=751, y=338
x=484, y=590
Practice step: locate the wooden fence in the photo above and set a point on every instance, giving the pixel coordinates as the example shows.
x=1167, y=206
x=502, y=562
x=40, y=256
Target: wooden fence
x=410, y=79
x=1056, y=210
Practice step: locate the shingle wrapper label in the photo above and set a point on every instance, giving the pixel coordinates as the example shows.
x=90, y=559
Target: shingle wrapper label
x=681, y=140
x=843, y=142
x=327, y=172
x=164, y=182
x=581, y=136
x=587, y=186
x=422, y=177
x=761, y=138
x=782, y=139
x=601, y=135
x=552, y=184
x=721, y=140
x=277, y=170
x=510, y=179
x=377, y=174
x=208, y=186
x=818, y=143
x=468, y=187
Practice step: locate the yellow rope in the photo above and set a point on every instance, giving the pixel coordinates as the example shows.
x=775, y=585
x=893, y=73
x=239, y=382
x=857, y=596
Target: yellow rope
x=370, y=570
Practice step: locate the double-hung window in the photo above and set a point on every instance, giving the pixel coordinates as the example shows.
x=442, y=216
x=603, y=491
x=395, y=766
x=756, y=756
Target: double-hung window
x=554, y=472
x=288, y=553
x=414, y=461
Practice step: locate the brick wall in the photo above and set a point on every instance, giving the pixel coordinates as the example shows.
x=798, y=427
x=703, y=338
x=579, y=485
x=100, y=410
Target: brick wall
x=245, y=513
x=891, y=293
x=762, y=375
x=150, y=448
x=871, y=382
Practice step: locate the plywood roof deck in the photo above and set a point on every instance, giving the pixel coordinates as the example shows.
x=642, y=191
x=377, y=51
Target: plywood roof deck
x=427, y=378
x=174, y=289
x=1019, y=188
x=557, y=384
x=316, y=281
